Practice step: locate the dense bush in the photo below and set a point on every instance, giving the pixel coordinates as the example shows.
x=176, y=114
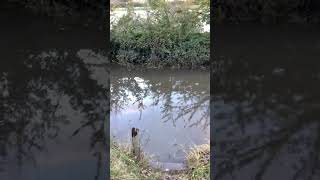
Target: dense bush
x=170, y=36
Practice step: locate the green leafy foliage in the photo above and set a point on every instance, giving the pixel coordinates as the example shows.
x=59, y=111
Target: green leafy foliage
x=170, y=36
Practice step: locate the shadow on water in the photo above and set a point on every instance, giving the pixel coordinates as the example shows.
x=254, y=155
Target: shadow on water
x=265, y=104
x=162, y=86
x=174, y=102
x=54, y=105
x=23, y=28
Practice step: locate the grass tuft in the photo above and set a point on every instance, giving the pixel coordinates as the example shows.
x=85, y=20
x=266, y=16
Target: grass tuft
x=198, y=162
x=124, y=166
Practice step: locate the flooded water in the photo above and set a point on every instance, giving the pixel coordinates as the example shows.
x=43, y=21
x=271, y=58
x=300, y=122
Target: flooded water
x=171, y=109
x=54, y=105
x=265, y=103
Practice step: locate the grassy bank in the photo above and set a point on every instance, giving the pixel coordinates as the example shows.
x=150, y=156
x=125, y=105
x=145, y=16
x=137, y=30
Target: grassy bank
x=124, y=166
x=198, y=163
x=170, y=36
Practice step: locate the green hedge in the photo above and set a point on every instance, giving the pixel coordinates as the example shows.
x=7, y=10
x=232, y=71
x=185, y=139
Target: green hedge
x=167, y=38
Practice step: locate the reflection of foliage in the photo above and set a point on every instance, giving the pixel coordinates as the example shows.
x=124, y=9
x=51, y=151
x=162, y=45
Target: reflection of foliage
x=267, y=10
x=120, y=95
x=176, y=94
x=53, y=7
x=263, y=117
x=199, y=105
x=31, y=110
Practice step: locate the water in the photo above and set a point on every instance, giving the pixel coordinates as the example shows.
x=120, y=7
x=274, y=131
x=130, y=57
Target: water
x=171, y=109
x=54, y=105
x=265, y=102
x=39, y=31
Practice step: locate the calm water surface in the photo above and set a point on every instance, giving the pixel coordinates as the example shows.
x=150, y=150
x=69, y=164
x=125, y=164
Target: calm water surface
x=171, y=109
x=54, y=105
x=265, y=103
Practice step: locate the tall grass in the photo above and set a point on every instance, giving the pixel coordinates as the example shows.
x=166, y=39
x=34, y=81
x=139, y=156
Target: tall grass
x=198, y=162
x=124, y=165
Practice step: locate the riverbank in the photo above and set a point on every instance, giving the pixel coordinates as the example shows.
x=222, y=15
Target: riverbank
x=124, y=166
x=191, y=52
x=165, y=37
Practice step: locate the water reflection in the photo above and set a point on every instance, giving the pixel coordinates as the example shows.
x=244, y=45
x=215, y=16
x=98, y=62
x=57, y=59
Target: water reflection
x=54, y=109
x=266, y=112
x=176, y=103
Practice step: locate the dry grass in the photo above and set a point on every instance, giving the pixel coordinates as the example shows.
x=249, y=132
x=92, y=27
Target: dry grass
x=198, y=162
x=124, y=166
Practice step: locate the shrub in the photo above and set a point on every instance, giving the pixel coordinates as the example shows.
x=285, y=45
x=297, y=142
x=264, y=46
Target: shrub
x=168, y=36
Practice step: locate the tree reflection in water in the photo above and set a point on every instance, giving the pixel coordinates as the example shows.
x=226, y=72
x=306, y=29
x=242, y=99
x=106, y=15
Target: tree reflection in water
x=266, y=120
x=179, y=94
x=34, y=94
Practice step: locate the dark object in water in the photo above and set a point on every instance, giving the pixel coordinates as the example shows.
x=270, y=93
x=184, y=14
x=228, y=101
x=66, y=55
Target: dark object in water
x=135, y=142
x=134, y=132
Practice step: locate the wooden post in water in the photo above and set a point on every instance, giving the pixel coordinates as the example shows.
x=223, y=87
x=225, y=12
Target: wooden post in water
x=135, y=142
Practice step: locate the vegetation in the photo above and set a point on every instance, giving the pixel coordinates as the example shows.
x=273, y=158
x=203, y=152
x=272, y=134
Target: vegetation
x=198, y=162
x=170, y=36
x=124, y=166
